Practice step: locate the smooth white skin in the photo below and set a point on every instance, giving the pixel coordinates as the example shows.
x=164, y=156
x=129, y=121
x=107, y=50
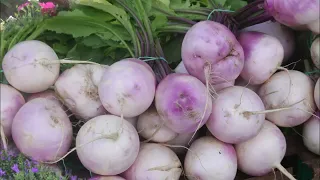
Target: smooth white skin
x=181, y=68
x=156, y=162
x=151, y=126
x=110, y=145
x=127, y=88
x=182, y=141
x=317, y=93
x=277, y=93
x=241, y=82
x=315, y=52
x=11, y=101
x=310, y=133
x=210, y=158
x=263, y=55
x=228, y=122
x=314, y=26
x=284, y=34
x=259, y=155
x=221, y=86
x=42, y=130
x=78, y=89
x=23, y=69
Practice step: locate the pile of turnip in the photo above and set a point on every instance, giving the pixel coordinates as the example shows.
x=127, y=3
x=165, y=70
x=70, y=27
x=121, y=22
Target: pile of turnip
x=233, y=86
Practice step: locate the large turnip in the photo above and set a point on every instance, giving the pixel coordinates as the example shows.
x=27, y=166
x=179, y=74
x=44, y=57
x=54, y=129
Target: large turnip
x=31, y=66
x=127, y=88
x=42, y=130
x=310, y=133
x=107, y=145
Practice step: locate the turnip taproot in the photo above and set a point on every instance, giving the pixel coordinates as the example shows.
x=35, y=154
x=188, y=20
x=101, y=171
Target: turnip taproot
x=156, y=162
x=310, y=134
x=315, y=52
x=31, y=66
x=11, y=101
x=263, y=56
x=78, y=89
x=231, y=120
x=284, y=92
x=42, y=130
x=183, y=103
x=107, y=145
x=209, y=158
x=107, y=178
x=127, y=88
x=211, y=52
x=317, y=93
x=151, y=127
x=261, y=154
x=283, y=33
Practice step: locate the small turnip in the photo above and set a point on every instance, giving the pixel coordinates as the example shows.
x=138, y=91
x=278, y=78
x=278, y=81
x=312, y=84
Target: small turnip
x=263, y=56
x=209, y=158
x=231, y=120
x=315, y=52
x=107, y=145
x=181, y=68
x=211, y=52
x=42, y=130
x=78, y=89
x=317, y=93
x=183, y=103
x=314, y=26
x=151, y=127
x=261, y=154
x=127, y=88
x=182, y=141
x=26, y=66
x=156, y=162
x=310, y=134
x=291, y=90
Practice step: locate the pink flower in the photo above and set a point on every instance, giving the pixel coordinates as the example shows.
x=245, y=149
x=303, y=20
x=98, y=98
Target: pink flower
x=48, y=8
x=23, y=5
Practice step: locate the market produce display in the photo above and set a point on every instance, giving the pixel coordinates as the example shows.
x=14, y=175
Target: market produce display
x=157, y=89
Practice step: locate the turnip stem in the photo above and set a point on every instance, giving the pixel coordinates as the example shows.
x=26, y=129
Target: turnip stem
x=285, y=172
x=3, y=138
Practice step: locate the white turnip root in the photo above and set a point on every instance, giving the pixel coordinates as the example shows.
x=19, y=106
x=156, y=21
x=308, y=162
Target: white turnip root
x=42, y=130
x=128, y=87
x=107, y=145
x=310, y=134
x=151, y=127
x=183, y=102
x=78, y=89
x=315, y=52
x=26, y=66
x=284, y=34
x=11, y=101
x=156, y=162
x=209, y=158
x=294, y=92
x=181, y=68
x=181, y=142
x=211, y=52
x=231, y=120
x=263, y=56
x=317, y=93
x=263, y=153
x=241, y=82
x=107, y=178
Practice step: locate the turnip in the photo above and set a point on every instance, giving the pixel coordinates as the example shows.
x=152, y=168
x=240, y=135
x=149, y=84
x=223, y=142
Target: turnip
x=107, y=178
x=314, y=26
x=181, y=142
x=107, y=145
x=127, y=88
x=156, y=162
x=291, y=92
x=78, y=89
x=133, y=121
x=315, y=52
x=211, y=52
x=49, y=95
x=310, y=133
x=261, y=154
x=11, y=101
x=31, y=66
x=209, y=158
x=263, y=56
x=183, y=103
x=181, y=68
x=221, y=86
x=293, y=13
x=42, y=130
x=284, y=34
x=233, y=119
x=241, y=82
x=151, y=127
x=317, y=93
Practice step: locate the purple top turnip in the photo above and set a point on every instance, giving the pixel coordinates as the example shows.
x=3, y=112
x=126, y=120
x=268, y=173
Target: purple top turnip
x=209, y=44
